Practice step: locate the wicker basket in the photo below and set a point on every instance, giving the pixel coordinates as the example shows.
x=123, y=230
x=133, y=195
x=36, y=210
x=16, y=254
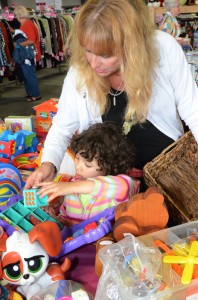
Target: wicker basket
x=175, y=171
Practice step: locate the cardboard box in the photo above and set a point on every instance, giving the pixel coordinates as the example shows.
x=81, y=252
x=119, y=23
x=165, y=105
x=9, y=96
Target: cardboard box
x=16, y=123
x=45, y=113
x=169, y=237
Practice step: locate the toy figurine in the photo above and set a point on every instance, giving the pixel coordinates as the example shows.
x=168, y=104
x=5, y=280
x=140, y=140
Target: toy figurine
x=25, y=258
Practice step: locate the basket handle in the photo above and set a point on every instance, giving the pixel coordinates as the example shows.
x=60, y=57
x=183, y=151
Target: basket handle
x=171, y=146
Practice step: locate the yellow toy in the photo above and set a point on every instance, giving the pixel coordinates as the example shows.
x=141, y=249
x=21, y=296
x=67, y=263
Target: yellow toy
x=190, y=260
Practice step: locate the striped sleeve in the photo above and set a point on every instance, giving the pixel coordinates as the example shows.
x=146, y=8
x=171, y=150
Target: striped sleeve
x=120, y=187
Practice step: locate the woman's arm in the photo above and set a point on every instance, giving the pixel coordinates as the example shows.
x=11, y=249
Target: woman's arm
x=75, y=113
x=26, y=43
x=184, y=87
x=65, y=123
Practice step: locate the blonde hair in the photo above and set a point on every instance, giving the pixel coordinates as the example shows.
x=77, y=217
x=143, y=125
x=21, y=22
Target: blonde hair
x=122, y=28
x=21, y=12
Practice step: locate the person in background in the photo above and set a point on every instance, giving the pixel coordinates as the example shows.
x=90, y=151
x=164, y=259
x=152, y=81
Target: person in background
x=29, y=70
x=169, y=23
x=103, y=158
x=190, y=34
x=124, y=70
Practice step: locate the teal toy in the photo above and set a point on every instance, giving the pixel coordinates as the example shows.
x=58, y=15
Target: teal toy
x=31, y=199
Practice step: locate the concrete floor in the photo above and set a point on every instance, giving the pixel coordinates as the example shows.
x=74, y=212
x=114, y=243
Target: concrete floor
x=12, y=95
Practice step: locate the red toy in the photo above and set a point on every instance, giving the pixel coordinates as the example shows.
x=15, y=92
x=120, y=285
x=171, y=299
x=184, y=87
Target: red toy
x=90, y=226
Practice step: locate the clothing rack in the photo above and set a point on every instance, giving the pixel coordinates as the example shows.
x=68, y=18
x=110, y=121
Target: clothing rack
x=6, y=14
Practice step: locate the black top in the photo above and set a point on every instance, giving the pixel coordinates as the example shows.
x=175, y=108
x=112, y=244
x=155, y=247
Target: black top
x=147, y=139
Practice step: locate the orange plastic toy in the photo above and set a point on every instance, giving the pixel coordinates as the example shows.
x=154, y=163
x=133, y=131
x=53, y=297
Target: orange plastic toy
x=142, y=214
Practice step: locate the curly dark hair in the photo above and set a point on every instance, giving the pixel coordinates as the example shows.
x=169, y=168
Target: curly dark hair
x=107, y=144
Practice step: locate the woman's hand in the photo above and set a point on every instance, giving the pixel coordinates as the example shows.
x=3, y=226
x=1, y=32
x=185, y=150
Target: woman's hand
x=45, y=172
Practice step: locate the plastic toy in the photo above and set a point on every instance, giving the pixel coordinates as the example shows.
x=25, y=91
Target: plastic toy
x=5, y=194
x=2, y=126
x=31, y=199
x=91, y=236
x=79, y=295
x=45, y=113
x=176, y=267
x=7, y=227
x=25, y=258
x=7, y=294
x=137, y=217
x=189, y=262
x=26, y=161
x=3, y=234
x=15, y=144
x=11, y=183
x=7, y=147
x=24, y=218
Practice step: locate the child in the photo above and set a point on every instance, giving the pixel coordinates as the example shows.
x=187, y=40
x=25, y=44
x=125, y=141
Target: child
x=103, y=158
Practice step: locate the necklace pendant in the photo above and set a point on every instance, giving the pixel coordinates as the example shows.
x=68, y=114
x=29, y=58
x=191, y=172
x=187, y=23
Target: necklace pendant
x=114, y=101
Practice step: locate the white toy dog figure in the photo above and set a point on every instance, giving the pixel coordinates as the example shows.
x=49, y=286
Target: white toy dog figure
x=25, y=258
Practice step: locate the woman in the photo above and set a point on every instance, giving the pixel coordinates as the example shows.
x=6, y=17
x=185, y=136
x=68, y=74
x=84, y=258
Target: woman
x=122, y=70
x=169, y=23
x=33, y=38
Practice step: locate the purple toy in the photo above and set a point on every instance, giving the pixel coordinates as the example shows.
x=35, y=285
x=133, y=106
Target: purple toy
x=105, y=221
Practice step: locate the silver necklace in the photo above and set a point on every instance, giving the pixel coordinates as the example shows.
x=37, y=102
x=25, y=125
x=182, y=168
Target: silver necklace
x=117, y=93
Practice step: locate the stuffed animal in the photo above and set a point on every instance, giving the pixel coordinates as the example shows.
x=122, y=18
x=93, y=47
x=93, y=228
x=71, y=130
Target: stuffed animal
x=142, y=214
x=24, y=259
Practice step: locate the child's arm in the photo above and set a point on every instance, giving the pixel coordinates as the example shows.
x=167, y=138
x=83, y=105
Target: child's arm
x=120, y=187
x=55, y=189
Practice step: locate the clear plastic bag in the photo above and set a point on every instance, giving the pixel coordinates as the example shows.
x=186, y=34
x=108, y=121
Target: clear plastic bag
x=61, y=289
x=130, y=271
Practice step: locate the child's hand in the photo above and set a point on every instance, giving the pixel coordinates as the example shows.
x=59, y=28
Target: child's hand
x=53, y=189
